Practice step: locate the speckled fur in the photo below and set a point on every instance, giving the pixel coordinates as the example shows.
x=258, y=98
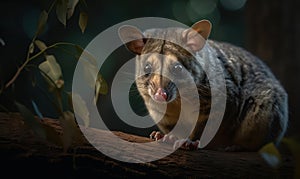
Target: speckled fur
x=256, y=107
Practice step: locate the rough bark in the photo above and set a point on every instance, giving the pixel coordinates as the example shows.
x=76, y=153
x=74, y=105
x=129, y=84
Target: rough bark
x=24, y=154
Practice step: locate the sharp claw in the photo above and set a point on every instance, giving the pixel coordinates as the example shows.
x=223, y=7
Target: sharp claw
x=178, y=143
x=152, y=135
x=186, y=144
x=172, y=139
x=155, y=135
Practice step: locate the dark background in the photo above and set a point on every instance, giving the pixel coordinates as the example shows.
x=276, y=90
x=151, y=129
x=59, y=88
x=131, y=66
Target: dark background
x=269, y=29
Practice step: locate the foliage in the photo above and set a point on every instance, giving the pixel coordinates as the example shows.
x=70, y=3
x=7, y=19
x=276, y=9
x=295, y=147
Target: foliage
x=271, y=154
x=52, y=73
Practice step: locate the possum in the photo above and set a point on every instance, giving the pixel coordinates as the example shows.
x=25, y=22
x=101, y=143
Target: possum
x=256, y=110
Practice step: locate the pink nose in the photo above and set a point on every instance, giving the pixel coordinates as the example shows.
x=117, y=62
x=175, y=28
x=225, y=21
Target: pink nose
x=160, y=95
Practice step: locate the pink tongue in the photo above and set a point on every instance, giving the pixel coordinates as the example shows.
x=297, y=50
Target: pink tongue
x=160, y=95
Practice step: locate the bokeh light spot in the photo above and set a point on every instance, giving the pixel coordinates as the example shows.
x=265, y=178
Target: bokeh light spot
x=233, y=5
x=203, y=7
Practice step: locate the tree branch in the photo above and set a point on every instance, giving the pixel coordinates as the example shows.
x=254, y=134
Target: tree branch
x=25, y=153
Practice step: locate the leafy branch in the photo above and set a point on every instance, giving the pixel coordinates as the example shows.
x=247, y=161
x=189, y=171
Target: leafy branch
x=52, y=73
x=28, y=59
x=64, y=10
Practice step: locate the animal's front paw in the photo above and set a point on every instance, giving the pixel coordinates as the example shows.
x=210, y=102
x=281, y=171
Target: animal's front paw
x=169, y=138
x=165, y=138
x=186, y=144
x=156, y=135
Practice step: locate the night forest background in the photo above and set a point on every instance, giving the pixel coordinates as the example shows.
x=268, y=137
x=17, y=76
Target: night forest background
x=270, y=29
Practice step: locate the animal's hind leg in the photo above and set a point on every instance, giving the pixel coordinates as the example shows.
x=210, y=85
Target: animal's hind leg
x=265, y=121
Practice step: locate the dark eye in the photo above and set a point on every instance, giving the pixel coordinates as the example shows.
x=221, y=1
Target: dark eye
x=177, y=69
x=148, y=69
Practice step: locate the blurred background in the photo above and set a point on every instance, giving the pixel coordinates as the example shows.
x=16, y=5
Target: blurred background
x=268, y=29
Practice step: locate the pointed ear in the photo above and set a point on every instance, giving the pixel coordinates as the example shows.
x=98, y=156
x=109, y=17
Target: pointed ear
x=132, y=37
x=203, y=27
x=196, y=36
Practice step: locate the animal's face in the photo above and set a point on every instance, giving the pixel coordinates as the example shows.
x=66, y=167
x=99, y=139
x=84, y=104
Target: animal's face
x=161, y=69
x=164, y=56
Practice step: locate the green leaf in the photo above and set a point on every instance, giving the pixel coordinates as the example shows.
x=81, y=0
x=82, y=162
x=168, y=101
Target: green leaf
x=83, y=18
x=31, y=48
x=101, y=87
x=81, y=109
x=71, y=7
x=97, y=91
x=41, y=45
x=61, y=11
x=52, y=69
x=294, y=146
x=42, y=22
x=79, y=49
x=90, y=72
x=92, y=76
x=78, y=52
x=271, y=155
x=86, y=56
x=31, y=121
x=69, y=128
x=104, y=86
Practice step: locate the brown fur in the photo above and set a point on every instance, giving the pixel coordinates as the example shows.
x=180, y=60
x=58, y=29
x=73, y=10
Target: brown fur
x=256, y=106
